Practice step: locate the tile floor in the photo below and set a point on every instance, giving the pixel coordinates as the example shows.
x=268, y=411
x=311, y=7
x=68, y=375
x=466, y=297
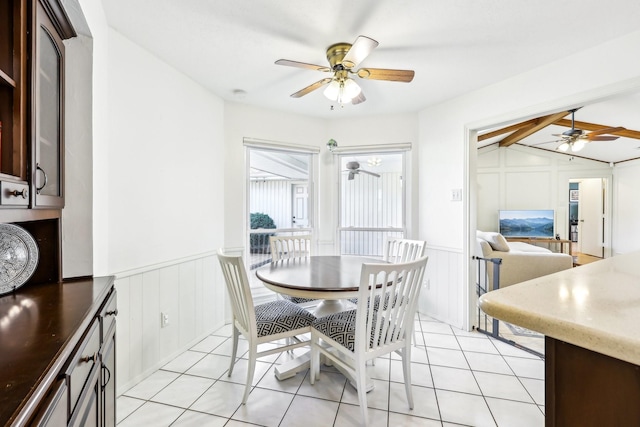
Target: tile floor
x=459, y=379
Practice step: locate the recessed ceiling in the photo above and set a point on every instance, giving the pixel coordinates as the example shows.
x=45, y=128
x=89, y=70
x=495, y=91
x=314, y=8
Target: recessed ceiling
x=453, y=46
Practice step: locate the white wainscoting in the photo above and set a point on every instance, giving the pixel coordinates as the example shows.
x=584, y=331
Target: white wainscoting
x=191, y=291
x=442, y=295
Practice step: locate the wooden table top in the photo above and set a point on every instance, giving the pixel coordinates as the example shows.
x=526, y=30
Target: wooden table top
x=315, y=274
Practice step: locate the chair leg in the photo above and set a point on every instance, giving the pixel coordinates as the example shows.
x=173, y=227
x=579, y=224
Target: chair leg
x=251, y=368
x=406, y=370
x=314, y=366
x=361, y=385
x=234, y=349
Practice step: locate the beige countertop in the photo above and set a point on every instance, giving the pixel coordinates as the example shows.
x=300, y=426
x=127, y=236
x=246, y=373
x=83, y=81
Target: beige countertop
x=595, y=306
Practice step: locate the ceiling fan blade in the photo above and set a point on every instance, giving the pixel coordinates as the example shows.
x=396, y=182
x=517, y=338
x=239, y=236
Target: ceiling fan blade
x=603, y=138
x=546, y=142
x=386, y=74
x=311, y=88
x=358, y=99
x=603, y=131
x=359, y=50
x=370, y=173
x=297, y=64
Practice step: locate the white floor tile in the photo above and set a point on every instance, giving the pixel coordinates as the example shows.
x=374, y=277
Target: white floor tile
x=478, y=343
x=211, y=366
x=378, y=398
x=349, y=416
x=510, y=413
x=447, y=357
x=290, y=385
x=487, y=363
x=502, y=386
x=151, y=385
x=420, y=374
x=125, y=406
x=152, y=414
x=461, y=380
x=406, y=420
x=183, y=391
x=310, y=412
x=221, y=399
x=535, y=389
x=527, y=368
x=466, y=409
x=424, y=401
x=329, y=386
x=208, y=344
x=198, y=419
x=436, y=327
x=239, y=374
x=441, y=341
x=183, y=362
x=264, y=407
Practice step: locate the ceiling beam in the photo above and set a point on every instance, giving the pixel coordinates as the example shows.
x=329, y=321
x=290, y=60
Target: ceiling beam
x=539, y=123
x=505, y=130
x=627, y=133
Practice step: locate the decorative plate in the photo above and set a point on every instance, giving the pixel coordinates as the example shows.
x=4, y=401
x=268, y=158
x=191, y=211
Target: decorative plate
x=18, y=257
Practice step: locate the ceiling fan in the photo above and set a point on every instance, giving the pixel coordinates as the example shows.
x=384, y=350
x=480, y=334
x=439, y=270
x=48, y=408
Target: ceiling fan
x=343, y=59
x=575, y=139
x=354, y=168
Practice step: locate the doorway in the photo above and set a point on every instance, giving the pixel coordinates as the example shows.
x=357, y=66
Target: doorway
x=588, y=216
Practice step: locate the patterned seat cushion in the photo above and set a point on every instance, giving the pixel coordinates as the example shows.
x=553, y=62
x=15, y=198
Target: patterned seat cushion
x=281, y=316
x=341, y=327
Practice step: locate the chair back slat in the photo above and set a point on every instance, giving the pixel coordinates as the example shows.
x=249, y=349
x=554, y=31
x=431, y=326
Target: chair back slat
x=387, y=302
x=285, y=247
x=403, y=250
x=235, y=277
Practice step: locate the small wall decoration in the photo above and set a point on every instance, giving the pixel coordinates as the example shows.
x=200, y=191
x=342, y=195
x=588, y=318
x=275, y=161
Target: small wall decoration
x=573, y=195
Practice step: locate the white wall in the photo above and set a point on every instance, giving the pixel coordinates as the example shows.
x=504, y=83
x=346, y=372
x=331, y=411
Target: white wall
x=165, y=161
x=626, y=207
x=445, y=153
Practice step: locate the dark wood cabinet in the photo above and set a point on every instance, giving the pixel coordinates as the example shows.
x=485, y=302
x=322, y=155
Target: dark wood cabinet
x=58, y=362
x=32, y=103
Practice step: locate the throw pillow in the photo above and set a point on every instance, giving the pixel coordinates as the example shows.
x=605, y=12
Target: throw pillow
x=495, y=240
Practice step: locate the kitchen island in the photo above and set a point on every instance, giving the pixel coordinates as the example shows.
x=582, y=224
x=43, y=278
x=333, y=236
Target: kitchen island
x=590, y=317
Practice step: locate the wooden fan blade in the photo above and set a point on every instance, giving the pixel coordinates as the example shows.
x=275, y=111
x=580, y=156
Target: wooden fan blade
x=297, y=64
x=359, y=50
x=603, y=131
x=603, y=138
x=310, y=88
x=358, y=99
x=386, y=74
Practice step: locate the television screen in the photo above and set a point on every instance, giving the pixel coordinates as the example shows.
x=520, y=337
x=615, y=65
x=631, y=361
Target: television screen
x=527, y=223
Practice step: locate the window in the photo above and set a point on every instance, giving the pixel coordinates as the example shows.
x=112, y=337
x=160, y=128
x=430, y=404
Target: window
x=372, y=201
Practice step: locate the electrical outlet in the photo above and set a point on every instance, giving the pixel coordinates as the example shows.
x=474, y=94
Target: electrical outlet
x=456, y=194
x=164, y=320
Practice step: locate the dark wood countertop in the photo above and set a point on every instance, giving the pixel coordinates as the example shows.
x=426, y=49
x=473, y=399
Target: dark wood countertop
x=40, y=325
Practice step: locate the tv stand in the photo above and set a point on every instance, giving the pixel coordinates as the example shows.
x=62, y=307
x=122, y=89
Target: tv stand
x=546, y=240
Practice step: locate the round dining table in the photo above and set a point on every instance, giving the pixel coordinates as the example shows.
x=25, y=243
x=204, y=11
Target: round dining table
x=331, y=280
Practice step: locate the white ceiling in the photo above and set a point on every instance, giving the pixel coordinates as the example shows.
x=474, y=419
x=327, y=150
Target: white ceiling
x=453, y=46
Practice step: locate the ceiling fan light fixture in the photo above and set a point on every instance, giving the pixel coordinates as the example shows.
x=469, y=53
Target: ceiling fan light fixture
x=577, y=145
x=563, y=147
x=342, y=91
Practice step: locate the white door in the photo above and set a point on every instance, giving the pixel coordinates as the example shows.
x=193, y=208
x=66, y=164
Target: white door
x=590, y=217
x=300, y=206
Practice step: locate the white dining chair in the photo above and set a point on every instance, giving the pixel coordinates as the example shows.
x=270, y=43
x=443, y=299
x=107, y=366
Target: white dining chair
x=286, y=247
x=351, y=338
x=403, y=250
x=279, y=320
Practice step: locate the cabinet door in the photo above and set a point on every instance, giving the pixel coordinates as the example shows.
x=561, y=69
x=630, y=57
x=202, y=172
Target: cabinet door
x=53, y=411
x=47, y=174
x=108, y=380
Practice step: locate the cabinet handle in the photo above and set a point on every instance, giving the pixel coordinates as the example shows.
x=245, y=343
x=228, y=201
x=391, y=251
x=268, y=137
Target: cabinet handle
x=93, y=357
x=111, y=313
x=38, y=189
x=108, y=372
x=24, y=193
